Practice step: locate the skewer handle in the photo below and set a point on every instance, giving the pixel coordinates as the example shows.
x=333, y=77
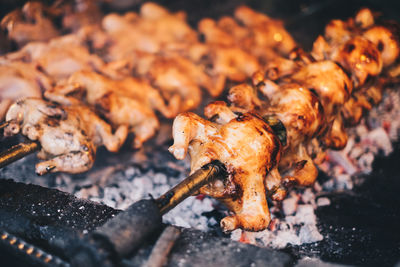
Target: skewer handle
x=17, y=152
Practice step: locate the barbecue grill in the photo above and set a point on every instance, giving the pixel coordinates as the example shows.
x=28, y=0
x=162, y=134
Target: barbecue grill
x=48, y=221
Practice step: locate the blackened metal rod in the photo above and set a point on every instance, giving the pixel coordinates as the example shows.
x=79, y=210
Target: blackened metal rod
x=130, y=228
x=189, y=186
x=35, y=254
x=4, y=124
x=17, y=152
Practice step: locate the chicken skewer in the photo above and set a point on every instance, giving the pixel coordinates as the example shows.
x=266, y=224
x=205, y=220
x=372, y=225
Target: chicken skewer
x=307, y=98
x=68, y=136
x=127, y=102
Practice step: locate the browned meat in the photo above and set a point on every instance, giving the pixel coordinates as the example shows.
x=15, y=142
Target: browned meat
x=68, y=136
x=248, y=148
x=29, y=24
x=19, y=80
x=129, y=102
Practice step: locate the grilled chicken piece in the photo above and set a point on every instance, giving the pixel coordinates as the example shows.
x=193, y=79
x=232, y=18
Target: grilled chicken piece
x=173, y=75
x=224, y=55
x=358, y=56
x=386, y=39
x=267, y=33
x=333, y=87
x=178, y=75
x=78, y=14
x=29, y=24
x=363, y=100
x=19, y=80
x=248, y=148
x=301, y=114
x=363, y=48
x=69, y=136
x=360, y=45
x=328, y=81
x=60, y=57
x=152, y=30
x=128, y=102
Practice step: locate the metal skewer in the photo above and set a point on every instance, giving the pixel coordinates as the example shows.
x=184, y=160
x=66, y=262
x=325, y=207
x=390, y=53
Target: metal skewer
x=4, y=124
x=17, y=152
x=188, y=186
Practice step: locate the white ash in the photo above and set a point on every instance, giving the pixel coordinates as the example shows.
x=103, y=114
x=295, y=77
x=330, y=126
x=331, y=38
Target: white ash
x=131, y=185
x=373, y=136
x=298, y=226
x=323, y=201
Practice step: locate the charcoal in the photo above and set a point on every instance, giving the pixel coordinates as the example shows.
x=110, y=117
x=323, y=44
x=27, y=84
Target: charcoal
x=55, y=220
x=195, y=248
x=361, y=227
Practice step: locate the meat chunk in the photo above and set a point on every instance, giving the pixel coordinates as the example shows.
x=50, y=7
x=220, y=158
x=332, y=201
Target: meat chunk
x=60, y=57
x=301, y=114
x=223, y=54
x=19, y=80
x=364, y=48
x=248, y=148
x=69, y=136
x=268, y=33
x=333, y=87
x=129, y=102
x=153, y=30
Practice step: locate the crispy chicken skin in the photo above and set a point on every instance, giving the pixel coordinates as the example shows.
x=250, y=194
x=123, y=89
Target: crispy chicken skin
x=128, y=102
x=69, y=136
x=248, y=148
x=363, y=100
x=174, y=75
x=19, y=80
x=224, y=55
x=333, y=87
x=360, y=57
x=360, y=45
x=153, y=30
x=268, y=33
x=302, y=115
x=364, y=49
x=329, y=83
x=60, y=57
